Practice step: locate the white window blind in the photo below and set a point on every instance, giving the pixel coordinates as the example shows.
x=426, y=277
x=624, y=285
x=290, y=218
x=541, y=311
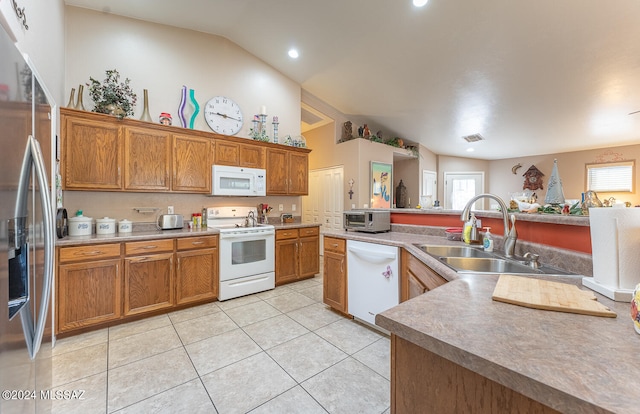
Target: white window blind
x=611, y=177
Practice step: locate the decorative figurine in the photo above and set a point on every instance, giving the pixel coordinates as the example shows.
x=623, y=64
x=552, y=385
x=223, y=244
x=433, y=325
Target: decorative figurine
x=165, y=118
x=347, y=131
x=360, y=131
x=555, y=195
x=366, y=133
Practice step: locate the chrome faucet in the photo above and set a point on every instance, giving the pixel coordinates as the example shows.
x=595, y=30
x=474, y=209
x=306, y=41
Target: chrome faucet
x=251, y=216
x=510, y=234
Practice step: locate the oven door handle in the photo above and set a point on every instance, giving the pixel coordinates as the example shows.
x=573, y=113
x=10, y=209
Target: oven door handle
x=247, y=235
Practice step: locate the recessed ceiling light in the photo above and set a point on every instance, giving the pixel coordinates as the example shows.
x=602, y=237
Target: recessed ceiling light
x=419, y=3
x=470, y=149
x=293, y=54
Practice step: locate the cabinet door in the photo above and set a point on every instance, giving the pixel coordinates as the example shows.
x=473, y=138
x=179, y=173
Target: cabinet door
x=298, y=174
x=309, y=256
x=147, y=159
x=286, y=261
x=417, y=278
x=196, y=275
x=148, y=283
x=334, y=291
x=191, y=164
x=92, y=151
x=226, y=153
x=88, y=293
x=277, y=171
x=251, y=156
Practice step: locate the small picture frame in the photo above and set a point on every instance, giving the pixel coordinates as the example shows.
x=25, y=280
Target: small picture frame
x=381, y=185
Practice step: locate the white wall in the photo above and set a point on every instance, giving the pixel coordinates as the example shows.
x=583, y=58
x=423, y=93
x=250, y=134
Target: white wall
x=43, y=41
x=162, y=59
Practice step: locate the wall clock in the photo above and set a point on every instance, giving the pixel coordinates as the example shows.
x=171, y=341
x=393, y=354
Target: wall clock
x=223, y=115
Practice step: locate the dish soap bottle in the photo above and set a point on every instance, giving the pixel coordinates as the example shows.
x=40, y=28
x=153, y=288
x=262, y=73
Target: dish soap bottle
x=487, y=241
x=466, y=230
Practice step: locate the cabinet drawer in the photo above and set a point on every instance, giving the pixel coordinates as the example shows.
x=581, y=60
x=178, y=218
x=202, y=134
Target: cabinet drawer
x=309, y=231
x=96, y=251
x=149, y=246
x=189, y=243
x=286, y=234
x=332, y=244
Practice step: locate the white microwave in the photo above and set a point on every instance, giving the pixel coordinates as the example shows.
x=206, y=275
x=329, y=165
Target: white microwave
x=238, y=181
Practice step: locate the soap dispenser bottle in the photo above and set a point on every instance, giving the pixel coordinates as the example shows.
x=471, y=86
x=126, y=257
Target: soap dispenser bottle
x=487, y=241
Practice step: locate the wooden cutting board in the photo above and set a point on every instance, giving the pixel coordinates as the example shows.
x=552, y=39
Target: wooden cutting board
x=543, y=294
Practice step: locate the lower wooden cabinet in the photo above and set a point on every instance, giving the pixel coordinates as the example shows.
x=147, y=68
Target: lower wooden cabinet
x=100, y=284
x=197, y=269
x=417, y=278
x=297, y=254
x=334, y=292
x=88, y=286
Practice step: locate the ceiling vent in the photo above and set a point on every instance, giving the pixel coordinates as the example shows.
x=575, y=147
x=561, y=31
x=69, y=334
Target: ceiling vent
x=473, y=138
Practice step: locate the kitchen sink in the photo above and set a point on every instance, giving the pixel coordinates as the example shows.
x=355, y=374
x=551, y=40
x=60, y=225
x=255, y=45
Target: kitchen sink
x=487, y=265
x=453, y=251
x=468, y=259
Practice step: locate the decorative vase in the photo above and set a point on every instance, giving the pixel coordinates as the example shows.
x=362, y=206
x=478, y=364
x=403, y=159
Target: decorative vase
x=146, y=116
x=79, y=104
x=72, y=98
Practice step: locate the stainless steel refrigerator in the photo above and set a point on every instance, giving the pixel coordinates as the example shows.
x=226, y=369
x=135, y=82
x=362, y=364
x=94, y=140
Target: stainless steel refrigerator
x=26, y=234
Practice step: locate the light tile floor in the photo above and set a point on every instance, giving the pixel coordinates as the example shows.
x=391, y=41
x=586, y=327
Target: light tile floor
x=280, y=351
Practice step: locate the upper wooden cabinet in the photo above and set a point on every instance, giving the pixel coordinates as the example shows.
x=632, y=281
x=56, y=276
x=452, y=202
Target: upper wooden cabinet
x=191, y=164
x=147, y=159
x=237, y=154
x=92, y=154
x=104, y=153
x=287, y=172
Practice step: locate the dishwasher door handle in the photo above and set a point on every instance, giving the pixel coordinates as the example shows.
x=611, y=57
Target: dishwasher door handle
x=372, y=257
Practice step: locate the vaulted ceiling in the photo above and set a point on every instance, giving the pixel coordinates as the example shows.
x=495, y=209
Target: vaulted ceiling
x=531, y=78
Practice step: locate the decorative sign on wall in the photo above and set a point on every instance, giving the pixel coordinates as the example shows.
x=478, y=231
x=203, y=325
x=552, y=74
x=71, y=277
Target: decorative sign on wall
x=380, y=184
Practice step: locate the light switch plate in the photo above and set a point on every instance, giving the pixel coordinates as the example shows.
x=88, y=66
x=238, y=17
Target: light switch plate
x=280, y=207
x=293, y=207
x=170, y=210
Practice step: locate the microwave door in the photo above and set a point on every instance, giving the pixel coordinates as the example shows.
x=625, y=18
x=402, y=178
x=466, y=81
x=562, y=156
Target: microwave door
x=33, y=328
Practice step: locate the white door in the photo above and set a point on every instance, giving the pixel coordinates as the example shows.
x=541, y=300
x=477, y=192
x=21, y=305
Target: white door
x=429, y=185
x=460, y=187
x=325, y=202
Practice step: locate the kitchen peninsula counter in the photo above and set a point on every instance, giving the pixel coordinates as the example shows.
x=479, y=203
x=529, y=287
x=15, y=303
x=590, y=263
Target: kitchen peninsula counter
x=569, y=362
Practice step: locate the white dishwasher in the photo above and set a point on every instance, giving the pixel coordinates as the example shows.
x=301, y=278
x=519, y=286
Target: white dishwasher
x=373, y=282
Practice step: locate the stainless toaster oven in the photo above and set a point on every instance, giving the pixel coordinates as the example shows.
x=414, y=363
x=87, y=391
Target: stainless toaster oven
x=371, y=221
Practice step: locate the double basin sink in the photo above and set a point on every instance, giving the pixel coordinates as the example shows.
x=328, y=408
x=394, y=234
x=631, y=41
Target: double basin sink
x=467, y=259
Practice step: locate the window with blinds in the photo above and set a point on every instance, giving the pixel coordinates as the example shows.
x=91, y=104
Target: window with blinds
x=611, y=177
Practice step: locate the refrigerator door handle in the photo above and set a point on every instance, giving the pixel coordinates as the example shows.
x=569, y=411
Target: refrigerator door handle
x=33, y=156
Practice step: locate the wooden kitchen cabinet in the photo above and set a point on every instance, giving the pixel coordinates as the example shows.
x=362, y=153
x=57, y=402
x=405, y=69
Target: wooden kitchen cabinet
x=92, y=153
x=147, y=159
x=88, y=286
x=334, y=292
x=416, y=277
x=191, y=164
x=287, y=172
x=197, y=269
x=239, y=155
x=297, y=254
x=148, y=276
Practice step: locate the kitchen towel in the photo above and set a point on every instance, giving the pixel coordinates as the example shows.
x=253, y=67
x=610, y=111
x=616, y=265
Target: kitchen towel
x=615, y=245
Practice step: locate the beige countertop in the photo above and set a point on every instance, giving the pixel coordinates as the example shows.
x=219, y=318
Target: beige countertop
x=572, y=363
x=154, y=235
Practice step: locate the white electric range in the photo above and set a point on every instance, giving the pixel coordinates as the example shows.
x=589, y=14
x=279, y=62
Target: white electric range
x=247, y=251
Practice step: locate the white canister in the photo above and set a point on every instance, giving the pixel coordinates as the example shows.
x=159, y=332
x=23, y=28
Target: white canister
x=80, y=226
x=125, y=226
x=105, y=225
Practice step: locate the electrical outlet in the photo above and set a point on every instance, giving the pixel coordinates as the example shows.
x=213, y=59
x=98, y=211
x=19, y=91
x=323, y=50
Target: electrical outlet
x=353, y=206
x=280, y=207
x=365, y=206
x=170, y=210
x=293, y=207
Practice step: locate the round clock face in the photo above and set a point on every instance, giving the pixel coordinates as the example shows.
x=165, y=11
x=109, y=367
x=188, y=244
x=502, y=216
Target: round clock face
x=223, y=115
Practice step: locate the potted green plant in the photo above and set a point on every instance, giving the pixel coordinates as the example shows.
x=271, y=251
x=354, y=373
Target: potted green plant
x=112, y=96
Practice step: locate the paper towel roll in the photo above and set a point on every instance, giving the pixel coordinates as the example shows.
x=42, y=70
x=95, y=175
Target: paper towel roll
x=615, y=245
